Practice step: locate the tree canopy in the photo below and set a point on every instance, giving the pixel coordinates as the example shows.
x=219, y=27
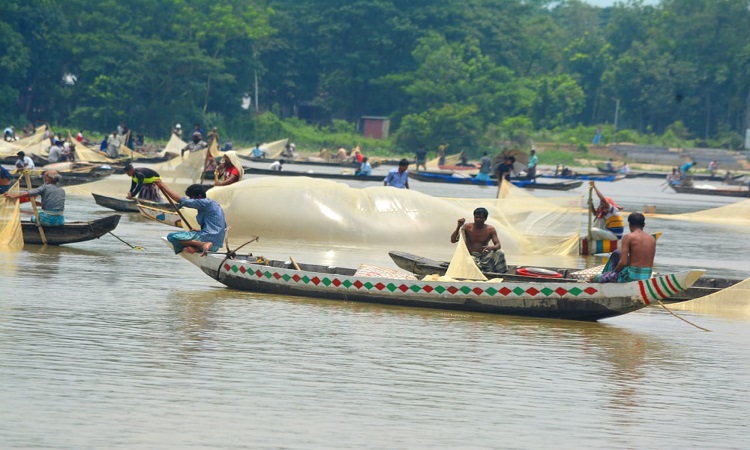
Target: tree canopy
x=443, y=71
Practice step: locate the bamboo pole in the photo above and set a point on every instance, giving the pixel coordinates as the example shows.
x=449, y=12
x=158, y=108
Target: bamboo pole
x=33, y=206
x=184, y=220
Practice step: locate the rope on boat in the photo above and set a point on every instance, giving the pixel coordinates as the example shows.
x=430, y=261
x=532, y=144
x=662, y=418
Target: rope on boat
x=231, y=254
x=681, y=318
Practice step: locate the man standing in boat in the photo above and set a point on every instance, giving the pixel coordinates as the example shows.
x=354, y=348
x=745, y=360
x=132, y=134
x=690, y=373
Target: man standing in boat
x=639, y=248
x=53, y=199
x=478, y=235
x=398, y=178
x=142, y=183
x=608, y=224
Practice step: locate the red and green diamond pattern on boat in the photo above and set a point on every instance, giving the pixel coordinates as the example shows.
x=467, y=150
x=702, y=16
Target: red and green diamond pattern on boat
x=349, y=283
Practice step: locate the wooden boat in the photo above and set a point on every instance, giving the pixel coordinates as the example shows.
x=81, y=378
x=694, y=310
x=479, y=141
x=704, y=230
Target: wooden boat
x=209, y=175
x=586, y=177
x=124, y=204
x=531, y=298
x=71, y=174
x=422, y=266
x=310, y=161
x=433, y=177
x=604, y=169
x=167, y=216
x=740, y=191
x=70, y=232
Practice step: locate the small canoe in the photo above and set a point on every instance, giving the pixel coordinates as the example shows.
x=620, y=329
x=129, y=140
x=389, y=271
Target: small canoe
x=70, y=232
x=740, y=191
x=433, y=177
x=161, y=215
x=587, y=177
x=311, y=162
x=124, y=204
x=372, y=284
x=209, y=175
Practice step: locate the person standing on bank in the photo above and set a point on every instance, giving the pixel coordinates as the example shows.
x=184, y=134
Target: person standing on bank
x=478, y=235
x=398, y=178
x=420, y=157
x=142, y=184
x=531, y=166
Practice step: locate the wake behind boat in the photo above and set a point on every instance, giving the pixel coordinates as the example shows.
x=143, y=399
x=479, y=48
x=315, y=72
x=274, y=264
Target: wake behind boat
x=557, y=300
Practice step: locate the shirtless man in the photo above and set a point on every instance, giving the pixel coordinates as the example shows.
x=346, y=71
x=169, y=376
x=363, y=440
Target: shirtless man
x=489, y=258
x=640, y=248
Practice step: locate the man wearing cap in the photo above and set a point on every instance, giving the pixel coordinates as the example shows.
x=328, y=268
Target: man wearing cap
x=24, y=162
x=142, y=183
x=177, y=130
x=398, y=178
x=608, y=224
x=195, y=145
x=53, y=199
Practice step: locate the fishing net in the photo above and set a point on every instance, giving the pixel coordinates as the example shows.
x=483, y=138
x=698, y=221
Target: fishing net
x=331, y=213
x=28, y=144
x=462, y=265
x=734, y=214
x=732, y=302
x=11, y=236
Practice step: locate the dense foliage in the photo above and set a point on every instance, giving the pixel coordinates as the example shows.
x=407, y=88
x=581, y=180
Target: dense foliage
x=474, y=73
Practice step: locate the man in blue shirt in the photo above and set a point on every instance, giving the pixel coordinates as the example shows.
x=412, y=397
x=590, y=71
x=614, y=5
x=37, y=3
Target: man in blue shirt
x=210, y=218
x=398, y=178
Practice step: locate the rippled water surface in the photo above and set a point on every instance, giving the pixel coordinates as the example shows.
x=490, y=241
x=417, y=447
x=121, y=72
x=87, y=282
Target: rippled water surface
x=102, y=346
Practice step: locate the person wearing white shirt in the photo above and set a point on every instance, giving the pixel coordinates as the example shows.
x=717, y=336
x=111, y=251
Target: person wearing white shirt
x=24, y=162
x=276, y=165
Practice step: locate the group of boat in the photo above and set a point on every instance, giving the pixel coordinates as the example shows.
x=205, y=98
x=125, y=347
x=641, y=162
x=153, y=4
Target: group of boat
x=545, y=292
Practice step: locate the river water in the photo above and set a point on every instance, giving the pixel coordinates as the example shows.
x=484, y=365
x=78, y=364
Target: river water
x=103, y=346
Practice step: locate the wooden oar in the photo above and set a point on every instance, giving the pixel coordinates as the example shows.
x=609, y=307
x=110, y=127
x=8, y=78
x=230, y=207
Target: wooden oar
x=591, y=206
x=36, y=211
x=184, y=220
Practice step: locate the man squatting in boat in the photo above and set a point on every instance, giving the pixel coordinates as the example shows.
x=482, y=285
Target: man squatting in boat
x=210, y=218
x=639, y=249
x=489, y=258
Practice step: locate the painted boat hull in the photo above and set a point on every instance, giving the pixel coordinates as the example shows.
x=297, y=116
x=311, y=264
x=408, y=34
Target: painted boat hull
x=70, y=232
x=588, y=246
x=573, y=301
x=161, y=215
x=422, y=266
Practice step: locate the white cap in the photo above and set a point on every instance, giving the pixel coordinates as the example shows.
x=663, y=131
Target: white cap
x=178, y=126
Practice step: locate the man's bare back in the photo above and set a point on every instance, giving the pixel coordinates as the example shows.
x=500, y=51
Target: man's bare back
x=638, y=249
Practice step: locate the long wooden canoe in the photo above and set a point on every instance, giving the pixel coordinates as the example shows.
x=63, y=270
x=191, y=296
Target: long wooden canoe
x=422, y=266
x=531, y=298
x=124, y=204
x=209, y=174
x=432, y=177
x=70, y=232
x=740, y=191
